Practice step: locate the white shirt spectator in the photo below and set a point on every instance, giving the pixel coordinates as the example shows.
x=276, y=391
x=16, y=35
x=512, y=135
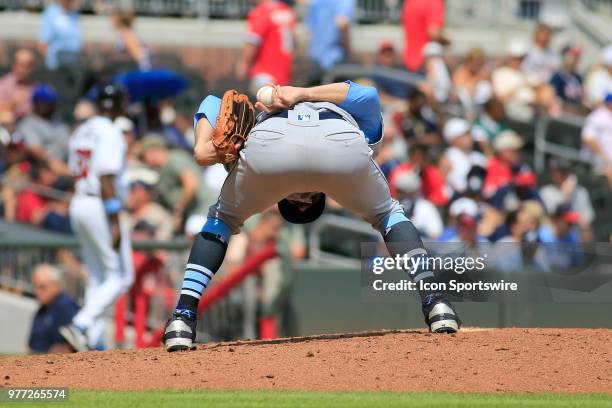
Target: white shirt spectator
x=553, y=197
x=543, y=62
x=426, y=218
x=598, y=128
x=461, y=163
x=599, y=82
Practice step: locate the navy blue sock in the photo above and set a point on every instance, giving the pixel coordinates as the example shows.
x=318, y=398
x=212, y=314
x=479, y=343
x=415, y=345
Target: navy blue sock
x=205, y=258
x=403, y=238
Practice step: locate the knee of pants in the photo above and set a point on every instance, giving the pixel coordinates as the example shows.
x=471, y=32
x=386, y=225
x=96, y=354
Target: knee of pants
x=395, y=216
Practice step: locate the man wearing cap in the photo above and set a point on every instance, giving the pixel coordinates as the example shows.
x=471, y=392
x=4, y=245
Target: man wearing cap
x=457, y=133
x=599, y=82
x=504, y=165
x=597, y=136
x=45, y=137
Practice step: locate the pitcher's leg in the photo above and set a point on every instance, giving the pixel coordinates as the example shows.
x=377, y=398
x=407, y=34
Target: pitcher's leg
x=244, y=193
x=368, y=195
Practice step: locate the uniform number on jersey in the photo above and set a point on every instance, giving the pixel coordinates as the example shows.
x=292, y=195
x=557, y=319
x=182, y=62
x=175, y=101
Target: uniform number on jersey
x=83, y=162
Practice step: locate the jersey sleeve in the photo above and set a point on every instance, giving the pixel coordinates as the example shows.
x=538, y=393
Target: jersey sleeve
x=257, y=25
x=209, y=109
x=110, y=152
x=363, y=103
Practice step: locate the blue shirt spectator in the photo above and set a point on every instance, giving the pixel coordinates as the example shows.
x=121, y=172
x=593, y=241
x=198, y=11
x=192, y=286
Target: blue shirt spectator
x=56, y=310
x=60, y=34
x=328, y=23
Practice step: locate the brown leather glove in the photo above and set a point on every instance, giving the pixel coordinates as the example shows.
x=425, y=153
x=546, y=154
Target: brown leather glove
x=235, y=121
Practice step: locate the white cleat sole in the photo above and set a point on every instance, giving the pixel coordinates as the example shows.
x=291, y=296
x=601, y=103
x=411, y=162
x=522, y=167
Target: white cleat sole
x=445, y=326
x=78, y=344
x=179, y=344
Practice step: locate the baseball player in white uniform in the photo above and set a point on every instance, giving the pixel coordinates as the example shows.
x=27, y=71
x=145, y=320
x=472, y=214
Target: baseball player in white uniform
x=309, y=142
x=97, y=160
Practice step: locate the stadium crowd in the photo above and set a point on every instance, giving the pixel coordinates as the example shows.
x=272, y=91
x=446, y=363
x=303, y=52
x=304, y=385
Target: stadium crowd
x=462, y=174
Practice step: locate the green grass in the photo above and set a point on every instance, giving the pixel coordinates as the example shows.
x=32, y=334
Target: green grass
x=193, y=399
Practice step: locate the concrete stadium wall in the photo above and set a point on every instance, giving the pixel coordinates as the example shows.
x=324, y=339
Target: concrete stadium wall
x=330, y=300
x=16, y=313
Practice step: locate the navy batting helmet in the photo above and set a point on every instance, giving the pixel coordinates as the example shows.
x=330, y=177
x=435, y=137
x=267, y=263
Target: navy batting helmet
x=110, y=98
x=302, y=208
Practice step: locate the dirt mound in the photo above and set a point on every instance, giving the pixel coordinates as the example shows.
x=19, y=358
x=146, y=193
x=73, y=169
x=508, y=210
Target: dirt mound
x=505, y=360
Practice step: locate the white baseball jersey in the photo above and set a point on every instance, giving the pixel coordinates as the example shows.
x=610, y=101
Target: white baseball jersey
x=97, y=148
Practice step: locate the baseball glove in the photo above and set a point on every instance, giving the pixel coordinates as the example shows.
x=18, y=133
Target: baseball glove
x=235, y=121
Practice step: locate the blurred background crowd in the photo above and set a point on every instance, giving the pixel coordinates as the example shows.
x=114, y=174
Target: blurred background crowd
x=513, y=147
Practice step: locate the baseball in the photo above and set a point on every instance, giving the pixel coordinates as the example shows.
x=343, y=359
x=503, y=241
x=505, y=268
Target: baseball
x=265, y=95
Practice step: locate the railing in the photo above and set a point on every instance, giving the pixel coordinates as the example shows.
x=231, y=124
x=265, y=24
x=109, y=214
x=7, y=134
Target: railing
x=458, y=12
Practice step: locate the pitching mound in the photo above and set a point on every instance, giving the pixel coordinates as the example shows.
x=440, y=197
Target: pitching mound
x=506, y=360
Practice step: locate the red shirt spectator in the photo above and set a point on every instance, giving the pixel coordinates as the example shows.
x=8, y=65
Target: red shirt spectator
x=422, y=20
x=28, y=205
x=432, y=183
x=499, y=174
x=270, y=28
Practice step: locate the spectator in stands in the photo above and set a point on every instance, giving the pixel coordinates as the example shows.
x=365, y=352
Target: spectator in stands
x=328, y=24
x=43, y=203
x=57, y=309
x=45, y=137
x=437, y=83
x=180, y=188
x=560, y=238
x=472, y=80
x=267, y=55
x=503, y=167
x=423, y=21
x=567, y=82
x=123, y=21
x=17, y=86
x=145, y=214
x=597, y=136
x=565, y=189
x=460, y=154
x=541, y=59
x=489, y=123
x=421, y=211
x=426, y=164
x=510, y=84
x=418, y=124
x=509, y=249
x=60, y=40
x=392, y=92
x=599, y=82
x=160, y=120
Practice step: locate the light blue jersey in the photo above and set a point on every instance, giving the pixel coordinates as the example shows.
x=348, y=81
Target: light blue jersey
x=361, y=102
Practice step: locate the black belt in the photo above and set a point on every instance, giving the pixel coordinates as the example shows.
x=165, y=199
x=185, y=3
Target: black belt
x=323, y=115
